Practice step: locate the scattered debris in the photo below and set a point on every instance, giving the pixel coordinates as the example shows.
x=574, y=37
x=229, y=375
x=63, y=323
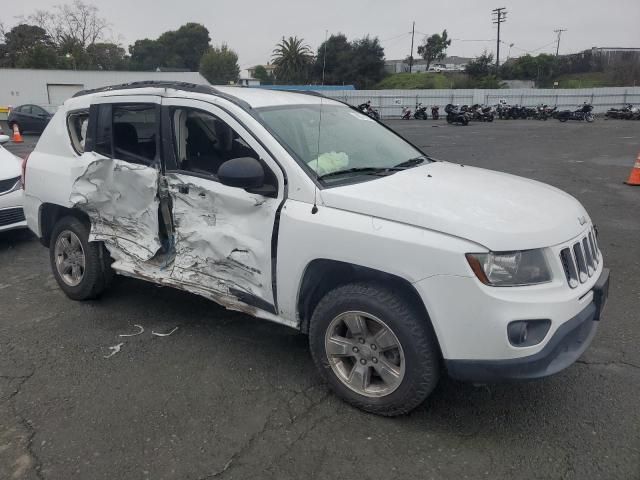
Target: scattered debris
x=164, y=334
x=133, y=334
x=115, y=349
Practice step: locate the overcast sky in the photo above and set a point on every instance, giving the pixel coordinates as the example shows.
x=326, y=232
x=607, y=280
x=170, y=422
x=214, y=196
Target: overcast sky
x=252, y=27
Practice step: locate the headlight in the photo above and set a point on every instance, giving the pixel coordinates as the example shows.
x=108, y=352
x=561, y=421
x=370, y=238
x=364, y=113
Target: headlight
x=509, y=269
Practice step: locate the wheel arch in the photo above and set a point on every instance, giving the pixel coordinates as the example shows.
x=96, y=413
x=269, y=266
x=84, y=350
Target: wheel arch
x=50, y=213
x=323, y=275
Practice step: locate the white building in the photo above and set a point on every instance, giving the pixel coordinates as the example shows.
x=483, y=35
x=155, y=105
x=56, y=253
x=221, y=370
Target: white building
x=52, y=87
x=448, y=64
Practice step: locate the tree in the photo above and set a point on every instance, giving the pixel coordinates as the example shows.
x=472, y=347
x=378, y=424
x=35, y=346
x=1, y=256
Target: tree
x=185, y=46
x=146, y=54
x=359, y=62
x=182, y=48
x=260, y=73
x=480, y=66
x=77, y=22
x=434, y=47
x=337, y=64
x=292, y=59
x=107, y=56
x=29, y=46
x=368, y=62
x=220, y=65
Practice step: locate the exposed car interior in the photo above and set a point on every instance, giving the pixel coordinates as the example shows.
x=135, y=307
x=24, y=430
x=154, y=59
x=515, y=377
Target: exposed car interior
x=204, y=142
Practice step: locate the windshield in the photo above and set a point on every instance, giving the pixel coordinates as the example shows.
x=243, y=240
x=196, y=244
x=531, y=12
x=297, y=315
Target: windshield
x=350, y=142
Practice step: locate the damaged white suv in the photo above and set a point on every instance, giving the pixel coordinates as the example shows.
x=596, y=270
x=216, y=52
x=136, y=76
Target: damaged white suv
x=301, y=210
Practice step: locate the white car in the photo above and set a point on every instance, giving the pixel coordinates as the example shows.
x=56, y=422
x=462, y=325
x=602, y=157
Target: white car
x=11, y=214
x=303, y=211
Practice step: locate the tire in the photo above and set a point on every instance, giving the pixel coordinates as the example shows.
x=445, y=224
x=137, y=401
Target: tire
x=465, y=121
x=563, y=119
x=589, y=117
x=95, y=276
x=418, y=353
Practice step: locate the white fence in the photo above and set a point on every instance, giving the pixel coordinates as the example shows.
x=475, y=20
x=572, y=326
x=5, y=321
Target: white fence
x=390, y=102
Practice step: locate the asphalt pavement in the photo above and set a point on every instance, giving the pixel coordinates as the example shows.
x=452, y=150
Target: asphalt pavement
x=229, y=396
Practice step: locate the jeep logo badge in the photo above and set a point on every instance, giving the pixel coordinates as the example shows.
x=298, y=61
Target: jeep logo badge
x=582, y=220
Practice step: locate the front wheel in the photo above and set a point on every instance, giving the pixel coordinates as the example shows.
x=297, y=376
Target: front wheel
x=374, y=348
x=81, y=268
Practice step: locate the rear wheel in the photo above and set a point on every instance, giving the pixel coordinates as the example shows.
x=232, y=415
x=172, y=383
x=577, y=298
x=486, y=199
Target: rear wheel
x=81, y=268
x=374, y=348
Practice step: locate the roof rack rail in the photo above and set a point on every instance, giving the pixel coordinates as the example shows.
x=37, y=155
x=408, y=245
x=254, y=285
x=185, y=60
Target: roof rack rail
x=184, y=86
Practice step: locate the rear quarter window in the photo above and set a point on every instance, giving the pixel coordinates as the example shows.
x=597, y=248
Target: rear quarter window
x=77, y=123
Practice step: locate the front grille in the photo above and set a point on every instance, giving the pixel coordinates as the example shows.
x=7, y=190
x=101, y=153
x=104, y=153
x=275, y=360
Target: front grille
x=580, y=260
x=8, y=184
x=10, y=216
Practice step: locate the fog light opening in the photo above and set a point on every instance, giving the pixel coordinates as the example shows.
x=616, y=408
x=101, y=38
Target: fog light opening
x=526, y=333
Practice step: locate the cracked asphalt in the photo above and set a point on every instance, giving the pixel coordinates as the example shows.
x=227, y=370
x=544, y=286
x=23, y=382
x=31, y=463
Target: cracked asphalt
x=229, y=396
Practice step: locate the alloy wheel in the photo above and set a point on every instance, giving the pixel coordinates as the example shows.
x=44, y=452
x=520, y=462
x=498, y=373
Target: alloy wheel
x=70, y=259
x=365, y=354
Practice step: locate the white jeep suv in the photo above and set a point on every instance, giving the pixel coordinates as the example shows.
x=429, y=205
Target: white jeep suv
x=301, y=210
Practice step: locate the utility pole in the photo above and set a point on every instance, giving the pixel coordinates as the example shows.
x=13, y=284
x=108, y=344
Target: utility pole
x=324, y=59
x=499, y=16
x=413, y=32
x=559, y=32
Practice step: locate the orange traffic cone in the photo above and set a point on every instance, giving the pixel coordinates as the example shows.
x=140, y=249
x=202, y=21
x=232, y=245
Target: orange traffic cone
x=634, y=176
x=16, y=138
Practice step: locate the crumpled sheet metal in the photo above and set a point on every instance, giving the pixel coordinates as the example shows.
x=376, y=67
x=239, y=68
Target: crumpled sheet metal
x=122, y=203
x=219, y=240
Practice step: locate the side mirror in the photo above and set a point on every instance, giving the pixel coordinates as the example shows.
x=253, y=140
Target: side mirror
x=243, y=172
x=4, y=139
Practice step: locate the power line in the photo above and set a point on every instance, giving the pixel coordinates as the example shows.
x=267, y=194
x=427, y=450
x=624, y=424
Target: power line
x=559, y=32
x=499, y=16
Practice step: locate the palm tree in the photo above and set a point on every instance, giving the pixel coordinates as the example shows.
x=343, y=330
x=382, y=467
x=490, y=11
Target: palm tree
x=292, y=59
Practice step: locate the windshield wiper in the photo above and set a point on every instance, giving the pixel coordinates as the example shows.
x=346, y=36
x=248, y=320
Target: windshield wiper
x=366, y=170
x=411, y=162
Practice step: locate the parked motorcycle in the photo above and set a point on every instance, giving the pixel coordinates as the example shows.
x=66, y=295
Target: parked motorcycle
x=629, y=112
x=456, y=115
x=435, y=112
x=406, y=113
x=583, y=113
x=544, y=112
x=482, y=113
x=367, y=109
x=420, y=113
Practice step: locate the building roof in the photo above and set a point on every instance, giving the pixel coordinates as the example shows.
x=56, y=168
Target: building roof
x=453, y=60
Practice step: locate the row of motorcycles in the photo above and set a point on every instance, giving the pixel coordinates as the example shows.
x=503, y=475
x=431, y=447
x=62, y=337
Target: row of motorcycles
x=544, y=112
x=462, y=115
x=629, y=112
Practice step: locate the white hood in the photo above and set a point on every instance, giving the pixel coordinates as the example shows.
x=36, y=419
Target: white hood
x=500, y=211
x=9, y=165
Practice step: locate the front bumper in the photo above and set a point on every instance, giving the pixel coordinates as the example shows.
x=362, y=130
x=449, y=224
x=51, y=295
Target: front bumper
x=11, y=211
x=566, y=345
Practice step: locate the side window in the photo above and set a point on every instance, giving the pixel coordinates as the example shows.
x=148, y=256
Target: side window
x=135, y=133
x=26, y=109
x=128, y=132
x=77, y=125
x=203, y=141
x=37, y=110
